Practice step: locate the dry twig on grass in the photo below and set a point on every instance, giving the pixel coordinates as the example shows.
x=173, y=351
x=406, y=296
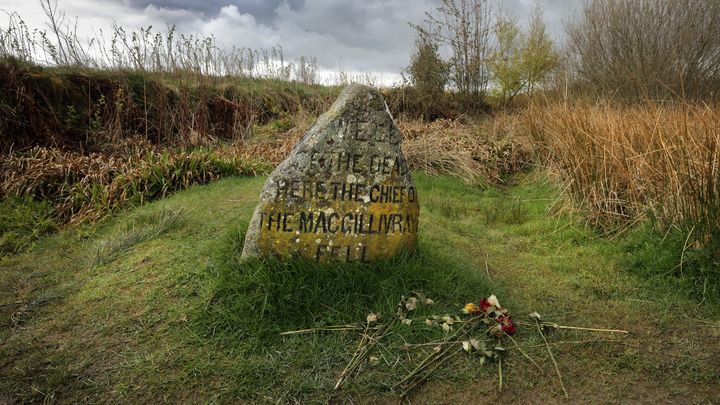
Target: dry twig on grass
x=552, y=357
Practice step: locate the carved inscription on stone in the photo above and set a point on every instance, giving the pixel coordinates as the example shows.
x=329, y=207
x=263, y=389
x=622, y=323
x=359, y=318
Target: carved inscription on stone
x=344, y=193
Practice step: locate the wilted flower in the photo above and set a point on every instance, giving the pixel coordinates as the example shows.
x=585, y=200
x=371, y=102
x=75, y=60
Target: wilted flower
x=484, y=304
x=477, y=344
x=448, y=320
x=496, y=331
x=490, y=310
x=470, y=308
x=506, y=324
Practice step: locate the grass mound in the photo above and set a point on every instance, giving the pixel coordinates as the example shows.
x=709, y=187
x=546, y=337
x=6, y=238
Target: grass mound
x=84, y=109
x=261, y=298
x=251, y=303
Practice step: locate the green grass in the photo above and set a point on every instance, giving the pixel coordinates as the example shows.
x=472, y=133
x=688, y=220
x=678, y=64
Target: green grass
x=22, y=221
x=669, y=260
x=142, y=229
x=171, y=314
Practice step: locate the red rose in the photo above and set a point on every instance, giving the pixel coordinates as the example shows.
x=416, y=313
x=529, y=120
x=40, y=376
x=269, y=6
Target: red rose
x=484, y=304
x=507, y=325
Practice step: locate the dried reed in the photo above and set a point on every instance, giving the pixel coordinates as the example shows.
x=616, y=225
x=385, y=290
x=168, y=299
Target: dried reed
x=480, y=155
x=625, y=163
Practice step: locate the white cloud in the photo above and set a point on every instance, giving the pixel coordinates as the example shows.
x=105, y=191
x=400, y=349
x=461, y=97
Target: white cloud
x=233, y=28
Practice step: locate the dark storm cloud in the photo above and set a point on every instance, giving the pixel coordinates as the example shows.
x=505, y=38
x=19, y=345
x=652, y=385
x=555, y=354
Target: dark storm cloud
x=367, y=36
x=262, y=10
x=356, y=34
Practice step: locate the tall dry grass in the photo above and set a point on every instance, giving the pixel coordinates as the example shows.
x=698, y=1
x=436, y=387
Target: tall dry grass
x=627, y=163
x=174, y=89
x=481, y=153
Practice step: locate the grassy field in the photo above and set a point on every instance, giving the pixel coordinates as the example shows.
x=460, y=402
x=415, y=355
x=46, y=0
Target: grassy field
x=153, y=305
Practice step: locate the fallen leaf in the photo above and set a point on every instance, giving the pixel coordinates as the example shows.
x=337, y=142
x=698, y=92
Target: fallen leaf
x=477, y=344
x=448, y=320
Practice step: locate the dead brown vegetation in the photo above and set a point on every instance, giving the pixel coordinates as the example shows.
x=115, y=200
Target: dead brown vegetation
x=480, y=154
x=624, y=164
x=89, y=187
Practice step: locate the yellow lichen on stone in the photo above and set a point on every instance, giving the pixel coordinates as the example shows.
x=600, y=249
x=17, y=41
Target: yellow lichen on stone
x=342, y=230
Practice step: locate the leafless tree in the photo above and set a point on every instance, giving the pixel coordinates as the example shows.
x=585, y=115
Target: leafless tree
x=464, y=26
x=648, y=49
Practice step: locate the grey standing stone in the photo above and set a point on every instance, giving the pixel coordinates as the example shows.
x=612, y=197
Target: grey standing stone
x=344, y=192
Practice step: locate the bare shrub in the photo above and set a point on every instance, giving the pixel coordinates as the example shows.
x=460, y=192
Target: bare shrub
x=464, y=26
x=648, y=49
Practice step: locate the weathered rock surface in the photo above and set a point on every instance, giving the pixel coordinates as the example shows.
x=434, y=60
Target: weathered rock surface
x=344, y=193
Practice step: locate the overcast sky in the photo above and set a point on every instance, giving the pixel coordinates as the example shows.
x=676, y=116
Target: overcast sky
x=352, y=35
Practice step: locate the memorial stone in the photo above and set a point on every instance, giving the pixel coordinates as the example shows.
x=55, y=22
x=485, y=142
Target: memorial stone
x=344, y=193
